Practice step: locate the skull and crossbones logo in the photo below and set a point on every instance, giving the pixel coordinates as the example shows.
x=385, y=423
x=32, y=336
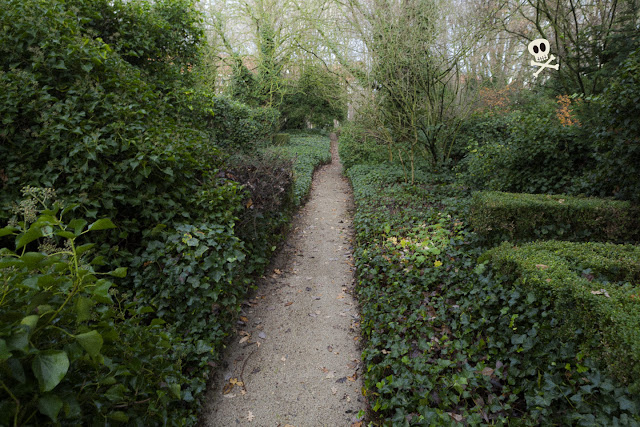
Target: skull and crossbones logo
x=539, y=48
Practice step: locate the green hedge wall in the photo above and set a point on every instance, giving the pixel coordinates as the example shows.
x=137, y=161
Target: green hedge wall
x=593, y=288
x=523, y=217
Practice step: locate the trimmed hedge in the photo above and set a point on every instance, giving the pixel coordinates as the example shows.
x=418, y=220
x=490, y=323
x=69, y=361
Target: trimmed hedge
x=523, y=217
x=593, y=288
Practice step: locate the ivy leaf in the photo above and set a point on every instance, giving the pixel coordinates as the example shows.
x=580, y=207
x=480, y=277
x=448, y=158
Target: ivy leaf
x=50, y=367
x=101, y=224
x=83, y=309
x=50, y=405
x=4, y=351
x=91, y=342
x=101, y=291
x=30, y=321
x=119, y=416
x=7, y=230
x=119, y=272
x=77, y=225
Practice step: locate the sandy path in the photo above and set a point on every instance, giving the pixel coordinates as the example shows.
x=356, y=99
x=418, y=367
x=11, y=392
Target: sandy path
x=297, y=350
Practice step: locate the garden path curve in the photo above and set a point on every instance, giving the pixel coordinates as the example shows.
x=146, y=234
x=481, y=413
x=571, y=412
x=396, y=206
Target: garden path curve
x=295, y=360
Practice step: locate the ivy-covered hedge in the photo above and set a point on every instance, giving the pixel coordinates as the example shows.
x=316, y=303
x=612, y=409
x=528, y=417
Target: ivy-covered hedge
x=449, y=342
x=521, y=217
x=236, y=125
x=593, y=292
x=309, y=152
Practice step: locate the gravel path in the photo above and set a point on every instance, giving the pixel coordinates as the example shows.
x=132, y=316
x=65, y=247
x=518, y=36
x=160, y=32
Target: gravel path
x=295, y=361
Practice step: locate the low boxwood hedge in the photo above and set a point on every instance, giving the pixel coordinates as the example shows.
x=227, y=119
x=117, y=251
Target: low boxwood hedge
x=593, y=288
x=522, y=217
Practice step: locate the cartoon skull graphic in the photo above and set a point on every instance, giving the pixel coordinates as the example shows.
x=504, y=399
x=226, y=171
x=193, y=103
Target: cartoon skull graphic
x=539, y=48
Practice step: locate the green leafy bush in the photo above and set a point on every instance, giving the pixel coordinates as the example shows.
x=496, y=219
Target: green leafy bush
x=130, y=140
x=539, y=155
x=233, y=124
x=193, y=278
x=616, y=135
x=593, y=288
x=355, y=147
x=74, y=348
x=520, y=217
x=317, y=97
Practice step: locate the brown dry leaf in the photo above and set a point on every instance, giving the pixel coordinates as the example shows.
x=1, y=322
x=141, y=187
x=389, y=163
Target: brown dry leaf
x=288, y=425
x=276, y=271
x=456, y=417
x=288, y=304
x=601, y=292
x=354, y=377
x=245, y=339
x=244, y=333
x=227, y=388
x=542, y=266
x=242, y=392
x=244, y=319
x=283, y=358
x=334, y=390
x=341, y=296
x=325, y=370
x=560, y=200
x=233, y=381
x=487, y=372
x=358, y=424
x=250, y=416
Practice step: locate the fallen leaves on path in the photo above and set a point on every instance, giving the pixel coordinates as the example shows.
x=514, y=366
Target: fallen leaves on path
x=288, y=304
x=250, y=416
x=230, y=385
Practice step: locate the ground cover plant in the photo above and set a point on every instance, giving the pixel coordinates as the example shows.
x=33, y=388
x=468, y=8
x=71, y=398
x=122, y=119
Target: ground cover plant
x=450, y=341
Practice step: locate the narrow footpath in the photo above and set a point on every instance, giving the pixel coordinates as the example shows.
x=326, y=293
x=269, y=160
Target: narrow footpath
x=295, y=361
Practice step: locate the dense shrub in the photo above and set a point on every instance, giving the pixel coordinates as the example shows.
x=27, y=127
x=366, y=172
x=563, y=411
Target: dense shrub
x=592, y=293
x=316, y=98
x=356, y=148
x=448, y=341
x=616, y=135
x=233, y=124
x=521, y=217
x=74, y=347
x=127, y=139
x=539, y=155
